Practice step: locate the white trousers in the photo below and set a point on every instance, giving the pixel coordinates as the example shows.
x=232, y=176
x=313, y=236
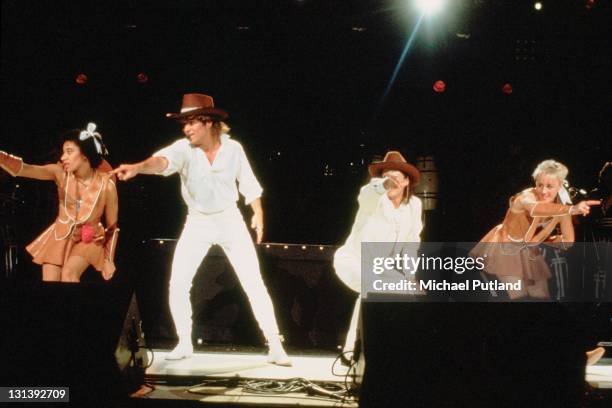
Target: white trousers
x=348, y=269
x=228, y=230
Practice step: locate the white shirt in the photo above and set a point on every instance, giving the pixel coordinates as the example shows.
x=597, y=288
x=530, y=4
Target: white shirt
x=207, y=188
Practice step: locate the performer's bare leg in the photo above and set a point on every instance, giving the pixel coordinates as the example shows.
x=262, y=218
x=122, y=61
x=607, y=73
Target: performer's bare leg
x=51, y=273
x=74, y=268
x=515, y=294
x=539, y=290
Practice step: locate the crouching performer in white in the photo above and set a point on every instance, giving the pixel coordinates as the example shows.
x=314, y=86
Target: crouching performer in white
x=209, y=164
x=388, y=212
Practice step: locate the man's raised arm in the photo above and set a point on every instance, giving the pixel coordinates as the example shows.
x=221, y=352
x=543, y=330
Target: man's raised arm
x=152, y=165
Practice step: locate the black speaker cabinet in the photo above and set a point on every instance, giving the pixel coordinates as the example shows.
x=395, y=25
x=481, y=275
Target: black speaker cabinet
x=472, y=354
x=66, y=335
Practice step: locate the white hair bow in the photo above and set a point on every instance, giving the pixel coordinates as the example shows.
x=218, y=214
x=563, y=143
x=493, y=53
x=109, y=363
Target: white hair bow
x=564, y=194
x=97, y=137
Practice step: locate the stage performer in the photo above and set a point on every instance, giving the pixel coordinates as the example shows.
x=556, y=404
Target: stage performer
x=511, y=250
x=86, y=191
x=210, y=163
x=388, y=212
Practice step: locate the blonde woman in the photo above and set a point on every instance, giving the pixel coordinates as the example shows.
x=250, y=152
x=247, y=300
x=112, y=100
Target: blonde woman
x=510, y=250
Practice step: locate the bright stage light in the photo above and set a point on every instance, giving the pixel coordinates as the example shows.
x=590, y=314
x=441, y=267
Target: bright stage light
x=429, y=6
x=537, y=5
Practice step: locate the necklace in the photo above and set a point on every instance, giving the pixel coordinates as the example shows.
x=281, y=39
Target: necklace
x=83, y=182
x=79, y=200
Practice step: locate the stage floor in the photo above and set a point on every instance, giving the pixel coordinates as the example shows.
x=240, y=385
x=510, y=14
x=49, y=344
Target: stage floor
x=246, y=365
x=207, y=377
x=204, y=378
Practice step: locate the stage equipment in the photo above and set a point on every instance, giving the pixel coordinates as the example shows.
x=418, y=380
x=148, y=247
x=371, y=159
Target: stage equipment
x=439, y=86
x=131, y=353
x=430, y=354
x=429, y=6
x=81, y=79
x=60, y=334
x=427, y=189
x=8, y=241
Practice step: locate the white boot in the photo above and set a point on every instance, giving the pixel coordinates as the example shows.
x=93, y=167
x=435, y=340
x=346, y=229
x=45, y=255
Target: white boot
x=184, y=349
x=276, y=353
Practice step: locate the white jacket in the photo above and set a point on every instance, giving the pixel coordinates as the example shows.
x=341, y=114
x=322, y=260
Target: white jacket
x=377, y=221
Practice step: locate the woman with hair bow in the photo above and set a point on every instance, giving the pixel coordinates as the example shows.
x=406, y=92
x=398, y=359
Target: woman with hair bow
x=510, y=250
x=87, y=193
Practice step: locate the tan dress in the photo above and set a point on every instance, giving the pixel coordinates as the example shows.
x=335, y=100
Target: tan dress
x=512, y=248
x=66, y=236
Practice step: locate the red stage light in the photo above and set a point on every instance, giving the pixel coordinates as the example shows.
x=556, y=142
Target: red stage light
x=439, y=86
x=589, y=4
x=507, y=89
x=81, y=79
x=142, y=78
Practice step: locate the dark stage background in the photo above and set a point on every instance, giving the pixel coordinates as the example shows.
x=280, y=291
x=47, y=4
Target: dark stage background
x=304, y=82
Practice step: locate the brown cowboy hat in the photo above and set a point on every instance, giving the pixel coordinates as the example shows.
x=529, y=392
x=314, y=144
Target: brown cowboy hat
x=395, y=161
x=198, y=104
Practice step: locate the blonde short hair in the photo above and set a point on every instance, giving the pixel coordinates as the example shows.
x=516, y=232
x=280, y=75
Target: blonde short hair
x=552, y=168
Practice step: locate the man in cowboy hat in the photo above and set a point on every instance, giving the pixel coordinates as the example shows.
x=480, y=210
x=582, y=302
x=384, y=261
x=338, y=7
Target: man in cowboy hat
x=210, y=163
x=388, y=212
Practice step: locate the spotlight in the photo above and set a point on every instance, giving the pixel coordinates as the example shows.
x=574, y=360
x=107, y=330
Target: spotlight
x=142, y=78
x=429, y=6
x=81, y=79
x=507, y=89
x=537, y=5
x=439, y=86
